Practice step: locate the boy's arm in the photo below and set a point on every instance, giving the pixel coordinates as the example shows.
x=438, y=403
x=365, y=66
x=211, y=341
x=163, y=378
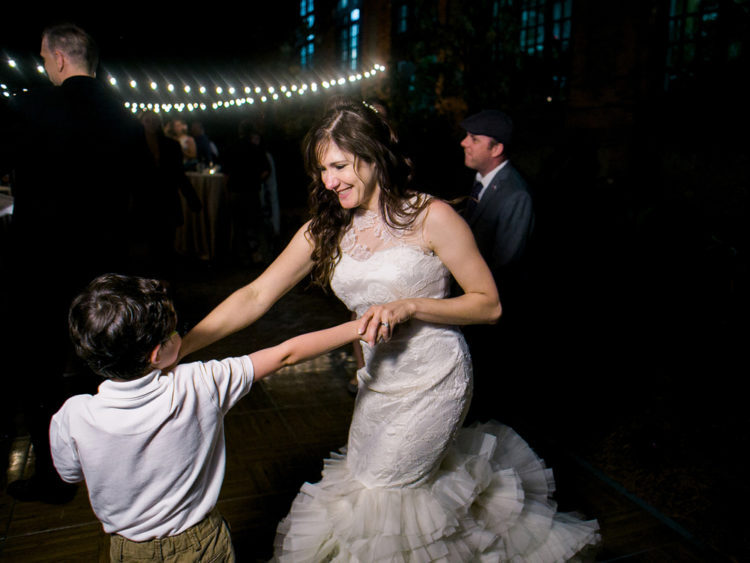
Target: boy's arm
x=64, y=455
x=303, y=347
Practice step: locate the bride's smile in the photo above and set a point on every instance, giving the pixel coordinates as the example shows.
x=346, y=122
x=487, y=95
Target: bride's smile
x=352, y=179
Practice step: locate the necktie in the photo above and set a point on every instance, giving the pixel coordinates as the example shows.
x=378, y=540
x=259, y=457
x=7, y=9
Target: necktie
x=471, y=204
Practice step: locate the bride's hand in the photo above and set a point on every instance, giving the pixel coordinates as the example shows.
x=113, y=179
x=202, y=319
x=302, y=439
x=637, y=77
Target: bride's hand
x=379, y=321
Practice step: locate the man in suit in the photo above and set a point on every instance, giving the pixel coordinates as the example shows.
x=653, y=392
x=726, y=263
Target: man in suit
x=75, y=156
x=501, y=215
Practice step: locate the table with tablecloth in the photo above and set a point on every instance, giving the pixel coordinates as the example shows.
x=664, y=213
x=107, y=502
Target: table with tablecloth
x=205, y=235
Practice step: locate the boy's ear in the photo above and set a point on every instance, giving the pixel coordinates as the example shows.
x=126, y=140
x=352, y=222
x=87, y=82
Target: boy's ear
x=155, y=355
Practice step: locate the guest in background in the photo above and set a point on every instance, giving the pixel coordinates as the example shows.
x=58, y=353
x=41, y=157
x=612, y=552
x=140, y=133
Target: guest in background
x=158, y=199
x=206, y=150
x=246, y=167
x=75, y=154
x=177, y=129
x=269, y=199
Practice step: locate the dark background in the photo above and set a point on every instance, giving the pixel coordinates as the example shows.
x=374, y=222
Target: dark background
x=640, y=264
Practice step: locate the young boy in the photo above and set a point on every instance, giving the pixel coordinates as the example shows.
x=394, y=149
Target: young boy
x=150, y=443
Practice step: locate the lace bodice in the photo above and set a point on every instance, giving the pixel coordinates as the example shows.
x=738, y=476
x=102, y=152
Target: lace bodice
x=380, y=264
x=369, y=233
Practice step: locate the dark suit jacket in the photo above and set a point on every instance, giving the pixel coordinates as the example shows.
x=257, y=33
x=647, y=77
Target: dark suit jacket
x=76, y=155
x=502, y=223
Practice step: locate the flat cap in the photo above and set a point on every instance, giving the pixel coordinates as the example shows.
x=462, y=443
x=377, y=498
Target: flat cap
x=492, y=123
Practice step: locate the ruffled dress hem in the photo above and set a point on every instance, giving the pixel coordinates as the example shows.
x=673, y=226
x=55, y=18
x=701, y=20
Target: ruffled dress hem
x=489, y=500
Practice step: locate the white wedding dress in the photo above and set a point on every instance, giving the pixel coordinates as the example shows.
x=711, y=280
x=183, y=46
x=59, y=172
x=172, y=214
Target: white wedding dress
x=411, y=484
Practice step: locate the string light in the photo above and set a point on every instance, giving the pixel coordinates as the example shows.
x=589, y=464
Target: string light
x=264, y=94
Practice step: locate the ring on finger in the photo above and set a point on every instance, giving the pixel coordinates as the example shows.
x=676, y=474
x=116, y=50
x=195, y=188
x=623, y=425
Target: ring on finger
x=386, y=324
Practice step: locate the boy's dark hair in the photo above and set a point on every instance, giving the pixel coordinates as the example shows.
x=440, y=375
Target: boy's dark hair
x=117, y=321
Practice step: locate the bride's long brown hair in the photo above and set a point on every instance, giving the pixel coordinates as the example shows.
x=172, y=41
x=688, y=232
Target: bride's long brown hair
x=357, y=129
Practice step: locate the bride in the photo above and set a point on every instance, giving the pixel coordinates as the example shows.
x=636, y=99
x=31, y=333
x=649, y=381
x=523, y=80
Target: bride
x=411, y=484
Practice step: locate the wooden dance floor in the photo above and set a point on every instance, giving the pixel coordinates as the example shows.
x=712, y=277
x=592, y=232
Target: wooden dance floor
x=277, y=437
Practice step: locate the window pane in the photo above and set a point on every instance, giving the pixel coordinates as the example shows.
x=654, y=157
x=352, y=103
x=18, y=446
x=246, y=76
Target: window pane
x=710, y=5
x=689, y=53
x=403, y=15
x=689, y=29
x=674, y=31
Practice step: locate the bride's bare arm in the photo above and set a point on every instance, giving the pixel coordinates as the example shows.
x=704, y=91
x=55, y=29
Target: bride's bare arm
x=249, y=303
x=447, y=234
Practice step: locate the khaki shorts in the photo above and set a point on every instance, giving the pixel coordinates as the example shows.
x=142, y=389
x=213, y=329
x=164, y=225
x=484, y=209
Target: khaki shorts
x=207, y=541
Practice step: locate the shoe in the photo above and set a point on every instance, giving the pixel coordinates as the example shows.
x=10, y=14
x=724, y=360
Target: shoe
x=37, y=489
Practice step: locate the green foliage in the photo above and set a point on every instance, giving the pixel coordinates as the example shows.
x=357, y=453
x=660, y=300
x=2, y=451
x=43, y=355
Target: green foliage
x=456, y=57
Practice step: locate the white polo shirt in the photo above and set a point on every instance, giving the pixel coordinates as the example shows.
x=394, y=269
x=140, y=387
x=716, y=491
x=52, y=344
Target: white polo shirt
x=151, y=450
